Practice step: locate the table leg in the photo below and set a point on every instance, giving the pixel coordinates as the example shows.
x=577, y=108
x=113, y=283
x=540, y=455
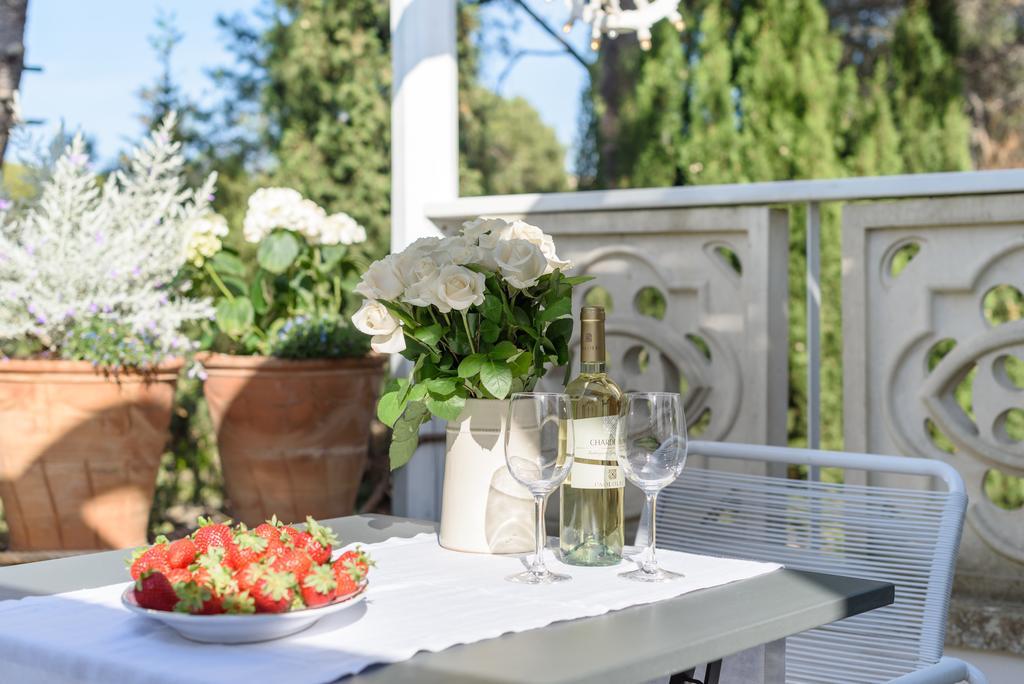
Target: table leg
x=761, y=665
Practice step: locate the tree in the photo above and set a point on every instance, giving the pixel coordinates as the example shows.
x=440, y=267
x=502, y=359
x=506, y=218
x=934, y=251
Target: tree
x=12, y=61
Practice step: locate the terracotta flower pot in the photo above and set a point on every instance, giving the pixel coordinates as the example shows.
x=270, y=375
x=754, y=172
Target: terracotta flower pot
x=292, y=435
x=79, y=452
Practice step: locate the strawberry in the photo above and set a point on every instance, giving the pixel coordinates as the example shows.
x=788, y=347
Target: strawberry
x=294, y=561
x=179, y=575
x=348, y=577
x=246, y=549
x=358, y=558
x=268, y=530
x=248, y=577
x=153, y=558
x=197, y=599
x=320, y=541
x=318, y=587
x=152, y=590
x=238, y=604
x=273, y=593
x=181, y=553
x=211, y=534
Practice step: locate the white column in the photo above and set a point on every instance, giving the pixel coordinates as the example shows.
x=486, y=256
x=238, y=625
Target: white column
x=424, y=169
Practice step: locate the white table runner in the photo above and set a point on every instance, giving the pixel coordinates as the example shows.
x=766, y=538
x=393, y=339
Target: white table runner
x=421, y=598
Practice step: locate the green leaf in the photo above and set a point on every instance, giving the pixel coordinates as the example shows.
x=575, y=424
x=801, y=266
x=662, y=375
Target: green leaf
x=496, y=378
x=560, y=308
x=226, y=263
x=429, y=335
x=491, y=308
x=406, y=435
x=277, y=251
x=560, y=329
x=330, y=256
x=448, y=408
x=521, y=364
x=503, y=351
x=235, y=284
x=392, y=402
x=441, y=386
x=235, y=316
x=573, y=281
x=470, y=365
x=256, y=293
x=490, y=332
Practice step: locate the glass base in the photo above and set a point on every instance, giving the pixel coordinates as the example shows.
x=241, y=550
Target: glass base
x=656, y=575
x=531, y=577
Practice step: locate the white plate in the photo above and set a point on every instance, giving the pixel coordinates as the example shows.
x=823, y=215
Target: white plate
x=239, y=629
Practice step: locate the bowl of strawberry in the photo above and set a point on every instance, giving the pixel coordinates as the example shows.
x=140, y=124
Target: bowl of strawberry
x=234, y=585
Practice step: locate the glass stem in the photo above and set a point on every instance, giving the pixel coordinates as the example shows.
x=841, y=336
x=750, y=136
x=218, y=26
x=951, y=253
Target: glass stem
x=538, y=559
x=651, y=563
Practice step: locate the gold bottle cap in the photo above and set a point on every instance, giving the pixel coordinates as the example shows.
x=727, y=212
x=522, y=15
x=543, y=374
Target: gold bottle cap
x=592, y=334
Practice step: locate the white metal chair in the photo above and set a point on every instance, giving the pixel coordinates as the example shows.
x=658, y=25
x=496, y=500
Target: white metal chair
x=908, y=537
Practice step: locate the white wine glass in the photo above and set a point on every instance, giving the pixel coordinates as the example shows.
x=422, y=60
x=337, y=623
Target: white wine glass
x=538, y=451
x=652, y=435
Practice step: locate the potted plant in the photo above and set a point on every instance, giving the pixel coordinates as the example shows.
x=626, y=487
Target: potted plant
x=481, y=315
x=91, y=313
x=290, y=386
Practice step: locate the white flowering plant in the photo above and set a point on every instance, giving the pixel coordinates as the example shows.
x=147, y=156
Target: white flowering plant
x=93, y=270
x=292, y=302
x=482, y=314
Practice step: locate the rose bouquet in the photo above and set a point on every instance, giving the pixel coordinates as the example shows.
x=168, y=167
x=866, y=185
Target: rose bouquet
x=291, y=304
x=481, y=314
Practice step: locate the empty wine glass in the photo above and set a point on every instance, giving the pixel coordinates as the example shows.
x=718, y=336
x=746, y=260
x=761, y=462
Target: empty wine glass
x=538, y=451
x=652, y=432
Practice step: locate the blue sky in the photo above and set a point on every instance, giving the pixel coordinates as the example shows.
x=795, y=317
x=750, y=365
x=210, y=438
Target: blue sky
x=96, y=56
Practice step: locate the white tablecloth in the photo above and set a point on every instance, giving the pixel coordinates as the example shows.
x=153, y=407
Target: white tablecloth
x=421, y=598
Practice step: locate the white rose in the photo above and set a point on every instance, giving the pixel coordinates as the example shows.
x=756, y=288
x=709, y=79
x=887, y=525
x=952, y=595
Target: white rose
x=521, y=262
x=521, y=230
x=382, y=280
x=459, y=288
x=388, y=344
x=473, y=230
x=420, y=274
x=340, y=229
x=458, y=250
x=373, y=318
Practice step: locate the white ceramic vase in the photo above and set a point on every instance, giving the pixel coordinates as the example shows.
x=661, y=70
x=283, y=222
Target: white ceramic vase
x=483, y=510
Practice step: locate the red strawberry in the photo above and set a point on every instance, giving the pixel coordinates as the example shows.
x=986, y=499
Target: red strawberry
x=290, y=536
x=318, y=587
x=294, y=561
x=153, y=558
x=237, y=604
x=179, y=575
x=212, y=534
x=181, y=553
x=320, y=542
x=273, y=593
x=358, y=558
x=198, y=599
x=248, y=577
x=247, y=549
x=348, y=577
x=152, y=590
x=269, y=529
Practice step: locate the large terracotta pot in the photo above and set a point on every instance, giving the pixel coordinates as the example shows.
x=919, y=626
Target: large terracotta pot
x=292, y=435
x=79, y=452
x=483, y=510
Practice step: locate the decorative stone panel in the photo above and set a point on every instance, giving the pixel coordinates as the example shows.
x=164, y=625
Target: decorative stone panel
x=920, y=343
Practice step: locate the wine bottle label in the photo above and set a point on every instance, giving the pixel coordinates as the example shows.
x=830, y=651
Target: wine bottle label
x=595, y=465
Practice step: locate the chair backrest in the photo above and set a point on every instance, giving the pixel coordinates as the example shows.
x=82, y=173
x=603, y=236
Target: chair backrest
x=904, y=536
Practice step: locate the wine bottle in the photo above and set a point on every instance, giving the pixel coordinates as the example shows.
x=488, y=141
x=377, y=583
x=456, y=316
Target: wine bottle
x=591, y=530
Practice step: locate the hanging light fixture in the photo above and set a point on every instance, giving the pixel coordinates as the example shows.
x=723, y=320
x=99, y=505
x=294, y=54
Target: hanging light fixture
x=607, y=18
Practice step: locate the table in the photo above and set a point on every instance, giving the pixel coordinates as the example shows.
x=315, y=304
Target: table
x=632, y=645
